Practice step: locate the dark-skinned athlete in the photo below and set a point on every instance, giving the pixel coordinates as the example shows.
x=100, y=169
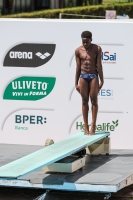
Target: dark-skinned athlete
x=89, y=77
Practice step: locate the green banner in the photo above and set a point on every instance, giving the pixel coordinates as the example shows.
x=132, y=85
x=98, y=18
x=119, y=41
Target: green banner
x=29, y=88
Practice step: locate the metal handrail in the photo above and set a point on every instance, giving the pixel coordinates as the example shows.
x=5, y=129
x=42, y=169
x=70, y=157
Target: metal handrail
x=61, y=14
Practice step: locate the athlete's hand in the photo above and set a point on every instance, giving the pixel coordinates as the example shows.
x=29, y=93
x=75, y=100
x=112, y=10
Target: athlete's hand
x=78, y=88
x=100, y=86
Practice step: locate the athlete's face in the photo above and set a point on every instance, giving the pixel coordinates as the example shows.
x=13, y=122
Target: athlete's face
x=86, y=42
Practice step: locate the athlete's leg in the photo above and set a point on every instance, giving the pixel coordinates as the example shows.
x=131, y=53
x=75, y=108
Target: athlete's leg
x=94, y=85
x=84, y=91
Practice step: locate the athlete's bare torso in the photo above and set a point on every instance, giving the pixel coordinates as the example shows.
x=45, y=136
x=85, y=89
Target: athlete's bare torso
x=88, y=58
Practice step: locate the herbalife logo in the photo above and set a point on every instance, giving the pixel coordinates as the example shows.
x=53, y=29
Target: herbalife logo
x=29, y=55
x=100, y=127
x=43, y=56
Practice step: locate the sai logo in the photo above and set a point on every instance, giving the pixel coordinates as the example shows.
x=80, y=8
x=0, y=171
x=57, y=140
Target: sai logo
x=109, y=58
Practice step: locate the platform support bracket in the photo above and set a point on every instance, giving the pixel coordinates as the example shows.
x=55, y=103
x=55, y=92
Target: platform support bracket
x=107, y=196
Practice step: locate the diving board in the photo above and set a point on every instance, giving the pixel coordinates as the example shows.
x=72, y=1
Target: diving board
x=50, y=154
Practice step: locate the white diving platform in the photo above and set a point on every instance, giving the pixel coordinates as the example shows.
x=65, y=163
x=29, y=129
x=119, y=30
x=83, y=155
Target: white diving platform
x=50, y=154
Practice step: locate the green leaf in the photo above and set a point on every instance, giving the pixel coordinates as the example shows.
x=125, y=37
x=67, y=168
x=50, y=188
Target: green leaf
x=29, y=88
x=113, y=122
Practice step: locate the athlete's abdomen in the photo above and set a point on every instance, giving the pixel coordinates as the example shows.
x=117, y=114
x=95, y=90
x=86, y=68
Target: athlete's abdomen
x=88, y=66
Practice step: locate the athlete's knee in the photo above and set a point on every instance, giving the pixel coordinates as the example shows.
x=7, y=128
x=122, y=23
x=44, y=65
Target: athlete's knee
x=85, y=100
x=94, y=101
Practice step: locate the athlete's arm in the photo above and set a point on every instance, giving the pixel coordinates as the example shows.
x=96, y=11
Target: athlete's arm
x=99, y=67
x=78, y=70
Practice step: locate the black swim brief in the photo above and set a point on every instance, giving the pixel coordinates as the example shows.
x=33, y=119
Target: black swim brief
x=89, y=77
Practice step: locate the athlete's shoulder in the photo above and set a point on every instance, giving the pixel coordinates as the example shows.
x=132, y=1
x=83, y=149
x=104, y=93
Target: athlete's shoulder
x=96, y=46
x=99, y=49
x=77, y=51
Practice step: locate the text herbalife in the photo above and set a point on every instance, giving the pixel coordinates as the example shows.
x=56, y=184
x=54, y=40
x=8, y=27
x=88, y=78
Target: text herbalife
x=100, y=127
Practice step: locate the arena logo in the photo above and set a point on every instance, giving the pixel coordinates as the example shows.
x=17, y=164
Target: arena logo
x=29, y=55
x=100, y=127
x=108, y=58
x=21, y=55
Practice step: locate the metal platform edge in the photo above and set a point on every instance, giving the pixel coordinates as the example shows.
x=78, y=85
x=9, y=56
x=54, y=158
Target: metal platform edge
x=65, y=187
x=98, y=188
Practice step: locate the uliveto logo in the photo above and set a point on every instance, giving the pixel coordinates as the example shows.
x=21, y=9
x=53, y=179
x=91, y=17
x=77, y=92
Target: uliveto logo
x=29, y=55
x=109, y=58
x=100, y=127
x=28, y=88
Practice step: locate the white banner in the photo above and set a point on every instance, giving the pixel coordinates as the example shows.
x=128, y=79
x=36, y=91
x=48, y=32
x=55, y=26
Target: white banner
x=37, y=67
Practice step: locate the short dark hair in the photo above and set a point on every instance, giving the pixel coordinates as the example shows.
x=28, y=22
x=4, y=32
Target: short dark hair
x=86, y=34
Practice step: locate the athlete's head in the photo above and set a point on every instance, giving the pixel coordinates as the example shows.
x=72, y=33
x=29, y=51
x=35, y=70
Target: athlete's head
x=86, y=38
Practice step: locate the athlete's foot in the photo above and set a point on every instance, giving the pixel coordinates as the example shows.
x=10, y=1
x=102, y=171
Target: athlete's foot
x=92, y=131
x=86, y=131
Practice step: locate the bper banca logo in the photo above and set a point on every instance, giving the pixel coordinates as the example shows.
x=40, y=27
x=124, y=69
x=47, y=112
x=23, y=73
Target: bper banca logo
x=32, y=119
x=21, y=120
x=29, y=55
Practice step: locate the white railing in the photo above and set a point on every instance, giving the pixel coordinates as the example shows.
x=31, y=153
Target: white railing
x=92, y=16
